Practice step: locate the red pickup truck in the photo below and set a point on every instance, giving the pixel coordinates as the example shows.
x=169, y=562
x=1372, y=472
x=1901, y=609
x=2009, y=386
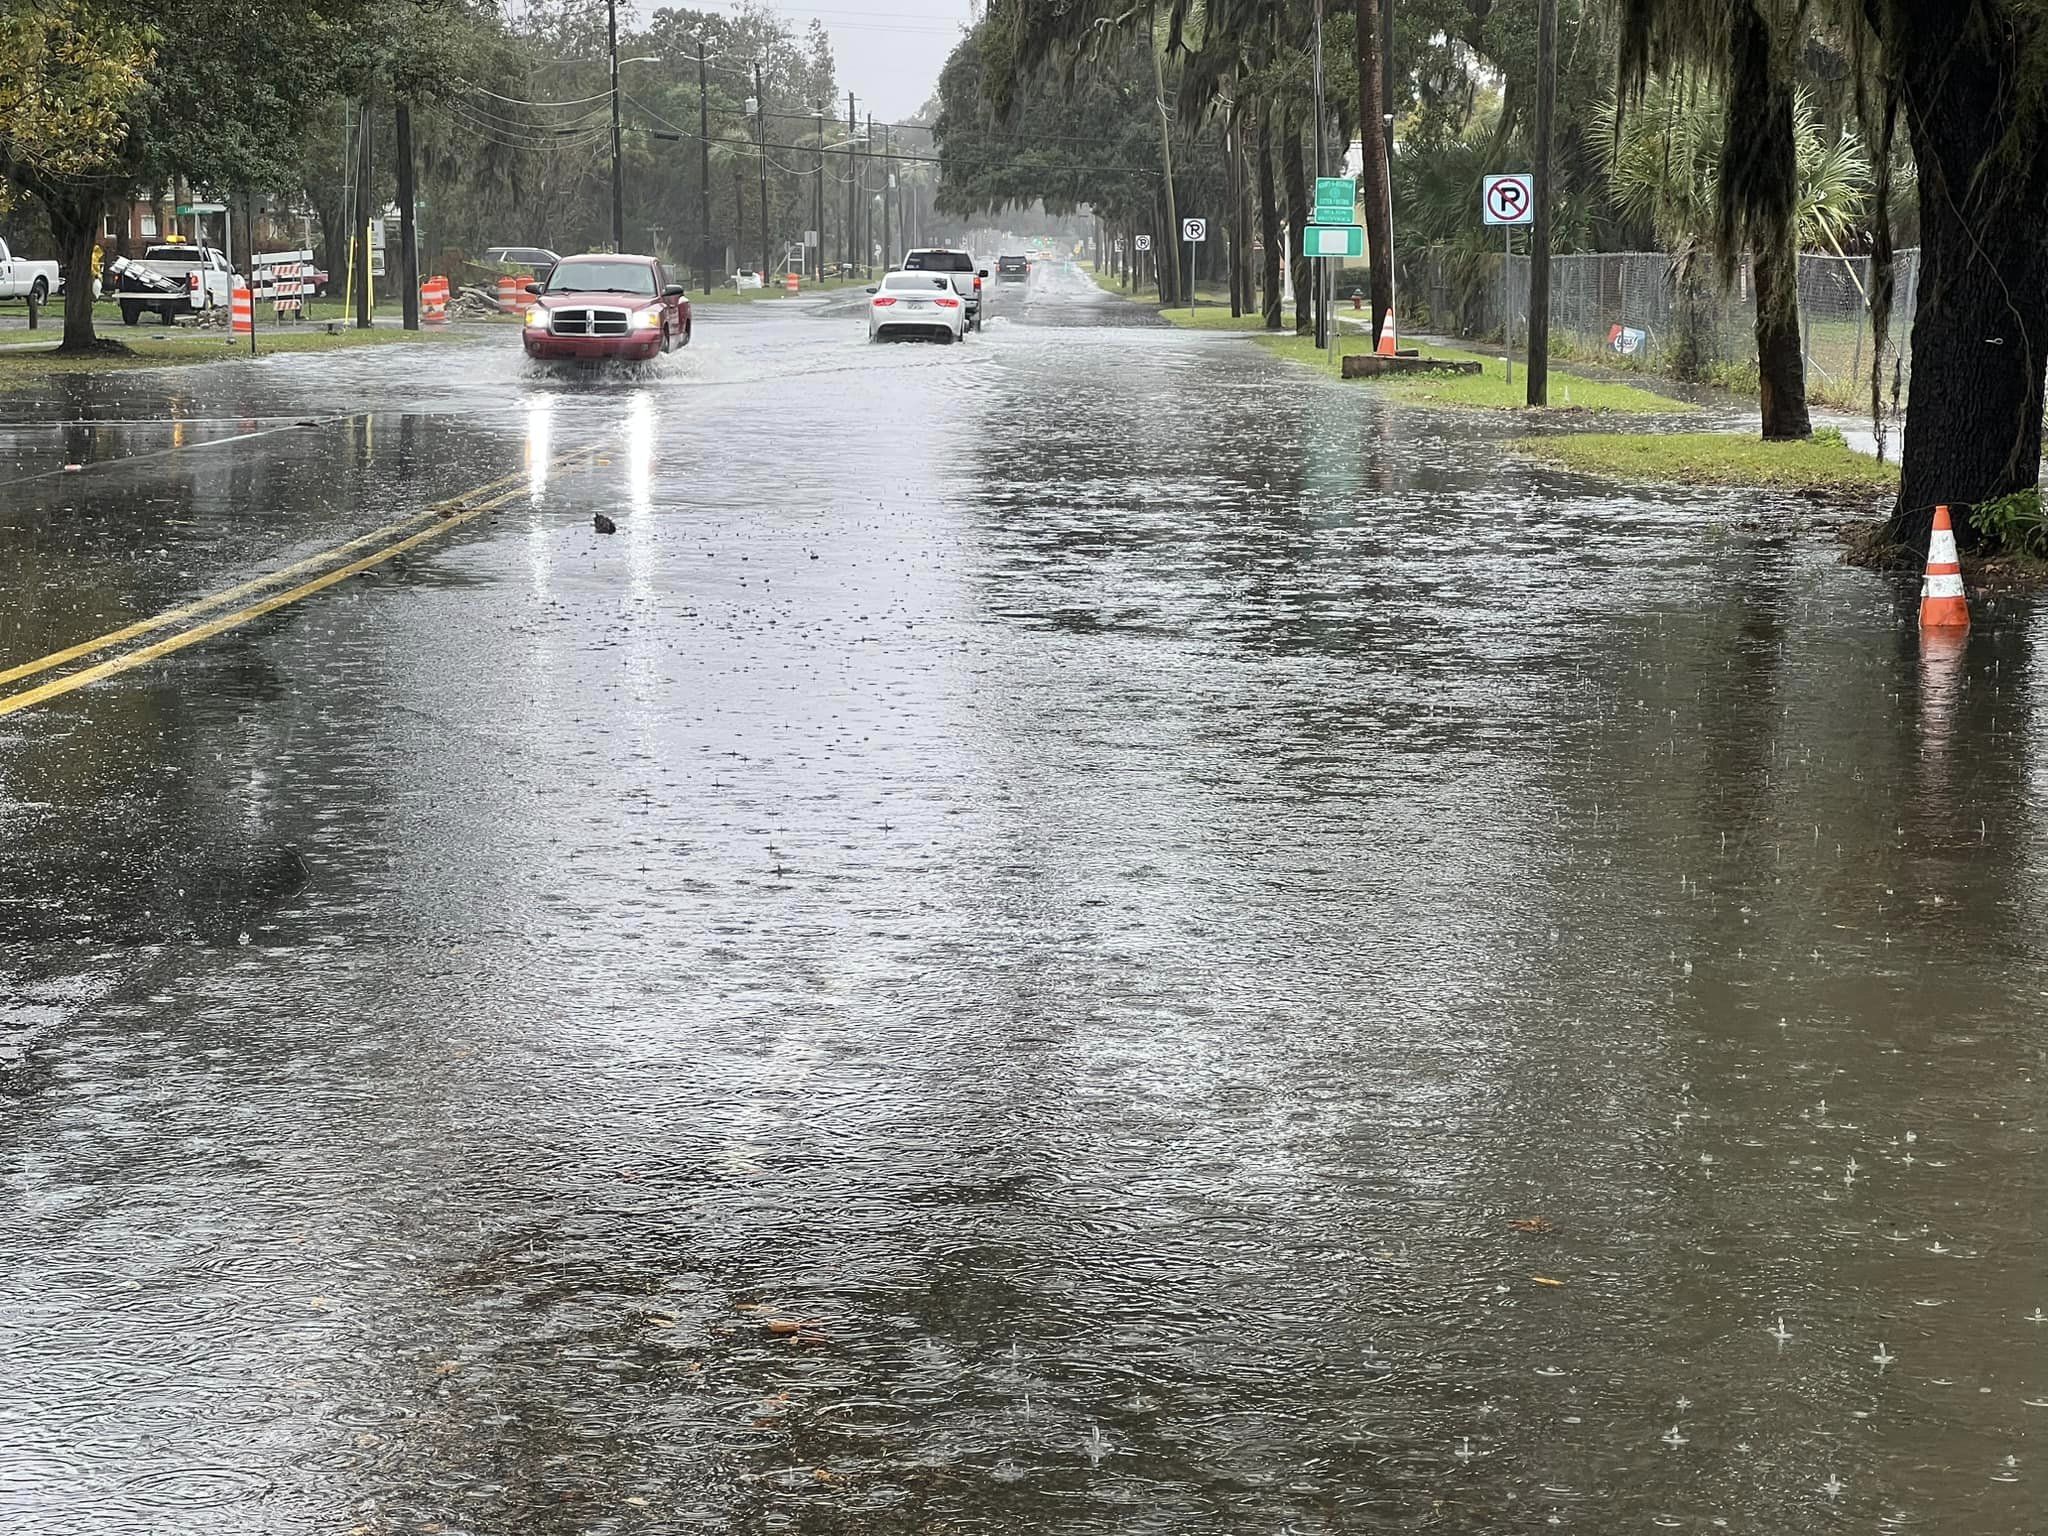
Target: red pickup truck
x=598, y=308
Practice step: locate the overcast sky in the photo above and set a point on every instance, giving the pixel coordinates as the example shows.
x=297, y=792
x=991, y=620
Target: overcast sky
x=889, y=51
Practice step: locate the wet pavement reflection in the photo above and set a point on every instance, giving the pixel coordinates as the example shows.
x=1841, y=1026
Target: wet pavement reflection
x=1083, y=932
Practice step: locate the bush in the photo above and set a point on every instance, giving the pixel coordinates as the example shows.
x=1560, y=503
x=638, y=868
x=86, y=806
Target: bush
x=2016, y=523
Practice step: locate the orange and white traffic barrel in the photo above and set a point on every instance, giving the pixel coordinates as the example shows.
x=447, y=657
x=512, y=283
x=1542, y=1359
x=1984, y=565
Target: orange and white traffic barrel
x=434, y=301
x=790, y=283
x=241, y=310
x=511, y=294
x=1942, y=604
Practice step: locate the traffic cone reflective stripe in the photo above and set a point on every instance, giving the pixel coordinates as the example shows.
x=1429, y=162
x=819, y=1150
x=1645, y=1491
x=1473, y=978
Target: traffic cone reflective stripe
x=1942, y=604
x=1386, y=346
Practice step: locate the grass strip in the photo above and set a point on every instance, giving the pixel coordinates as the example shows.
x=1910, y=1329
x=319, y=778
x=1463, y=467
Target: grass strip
x=1487, y=390
x=172, y=349
x=1823, y=463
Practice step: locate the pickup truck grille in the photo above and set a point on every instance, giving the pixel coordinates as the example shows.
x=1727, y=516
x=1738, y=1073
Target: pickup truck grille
x=588, y=322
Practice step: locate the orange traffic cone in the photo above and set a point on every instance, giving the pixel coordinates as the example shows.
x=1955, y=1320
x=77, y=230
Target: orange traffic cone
x=1942, y=604
x=1386, y=346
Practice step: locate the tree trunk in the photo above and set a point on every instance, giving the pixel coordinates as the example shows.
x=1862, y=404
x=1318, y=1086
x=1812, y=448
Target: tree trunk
x=74, y=210
x=1234, y=227
x=1269, y=221
x=1759, y=197
x=1372, y=144
x=1165, y=142
x=1241, y=247
x=1780, y=358
x=1295, y=176
x=1980, y=324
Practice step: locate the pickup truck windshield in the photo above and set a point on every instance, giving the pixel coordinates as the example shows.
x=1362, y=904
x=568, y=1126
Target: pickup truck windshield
x=602, y=277
x=938, y=261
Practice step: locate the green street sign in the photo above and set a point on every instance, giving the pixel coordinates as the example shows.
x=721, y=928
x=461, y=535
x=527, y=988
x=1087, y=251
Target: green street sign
x=1333, y=240
x=1336, y=200
x=186, y=210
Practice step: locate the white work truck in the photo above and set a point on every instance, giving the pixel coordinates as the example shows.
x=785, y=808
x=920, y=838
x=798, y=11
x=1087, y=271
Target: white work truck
x=20, y=278
x=172, y=280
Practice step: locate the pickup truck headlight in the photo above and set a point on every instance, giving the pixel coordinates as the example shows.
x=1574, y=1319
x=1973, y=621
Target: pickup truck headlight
x=648, y=319
x=537, y=318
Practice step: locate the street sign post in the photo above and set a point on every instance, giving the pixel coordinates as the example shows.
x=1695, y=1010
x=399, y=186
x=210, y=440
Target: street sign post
x=1338, y=240
x=1336, y=200
x=1192, y=233
x=1507, y=200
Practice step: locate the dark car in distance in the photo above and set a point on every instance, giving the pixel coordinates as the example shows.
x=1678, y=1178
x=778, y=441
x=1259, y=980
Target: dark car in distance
x=1013, y=269
x=605, y=308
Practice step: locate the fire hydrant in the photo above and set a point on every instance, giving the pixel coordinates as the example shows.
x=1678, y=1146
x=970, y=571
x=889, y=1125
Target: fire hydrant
x=1358, y=298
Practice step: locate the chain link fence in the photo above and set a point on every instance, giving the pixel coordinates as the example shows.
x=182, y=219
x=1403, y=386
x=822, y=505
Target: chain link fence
x=1661, y=313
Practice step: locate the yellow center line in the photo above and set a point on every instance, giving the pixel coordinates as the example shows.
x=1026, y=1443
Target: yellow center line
x=443, y=519
x=178, y=615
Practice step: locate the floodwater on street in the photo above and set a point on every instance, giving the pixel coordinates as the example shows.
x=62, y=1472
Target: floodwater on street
x=1084, y=932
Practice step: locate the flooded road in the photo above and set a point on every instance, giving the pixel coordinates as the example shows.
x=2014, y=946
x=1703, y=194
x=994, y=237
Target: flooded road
x=1080, y=933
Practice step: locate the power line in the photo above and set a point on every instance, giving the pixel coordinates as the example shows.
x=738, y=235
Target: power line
x=522, y=101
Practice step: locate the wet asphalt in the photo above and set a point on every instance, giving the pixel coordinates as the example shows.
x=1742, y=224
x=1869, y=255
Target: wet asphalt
x=1084, y=932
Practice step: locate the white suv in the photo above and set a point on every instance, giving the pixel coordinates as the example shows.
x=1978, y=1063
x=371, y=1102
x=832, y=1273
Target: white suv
x=959, y=267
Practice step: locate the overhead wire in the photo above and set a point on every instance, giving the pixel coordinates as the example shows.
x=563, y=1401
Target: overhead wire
x=523, y=101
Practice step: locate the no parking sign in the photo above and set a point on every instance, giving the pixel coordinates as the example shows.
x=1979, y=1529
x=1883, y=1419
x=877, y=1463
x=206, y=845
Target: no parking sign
x=1508, y=199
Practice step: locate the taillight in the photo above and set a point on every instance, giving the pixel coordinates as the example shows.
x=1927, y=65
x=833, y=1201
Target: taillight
x=977, y=285
x=949, y=303
x=883, y=303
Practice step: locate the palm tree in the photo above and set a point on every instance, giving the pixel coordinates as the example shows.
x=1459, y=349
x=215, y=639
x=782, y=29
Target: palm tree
x=1664, y=166
x=1749, y=50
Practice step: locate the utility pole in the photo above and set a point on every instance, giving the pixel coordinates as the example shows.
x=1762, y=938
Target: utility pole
x=618, y=187
x=408, y=228
x=1387, y=117
x=703, y=173
x=363, y=207
x=852, y=193
x=1539, y=245
x=821, y=194
x=888, y=197
x=1321, y=267
x=761, y=145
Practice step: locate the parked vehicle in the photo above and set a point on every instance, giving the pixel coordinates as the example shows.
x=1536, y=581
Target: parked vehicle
x=921, y=304
x=537, y=260
x=21, y=278
x=604, y=308
x=960, y=270
x=171, y=280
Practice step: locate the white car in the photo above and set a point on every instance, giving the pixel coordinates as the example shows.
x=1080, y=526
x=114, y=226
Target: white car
x=916, y=304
